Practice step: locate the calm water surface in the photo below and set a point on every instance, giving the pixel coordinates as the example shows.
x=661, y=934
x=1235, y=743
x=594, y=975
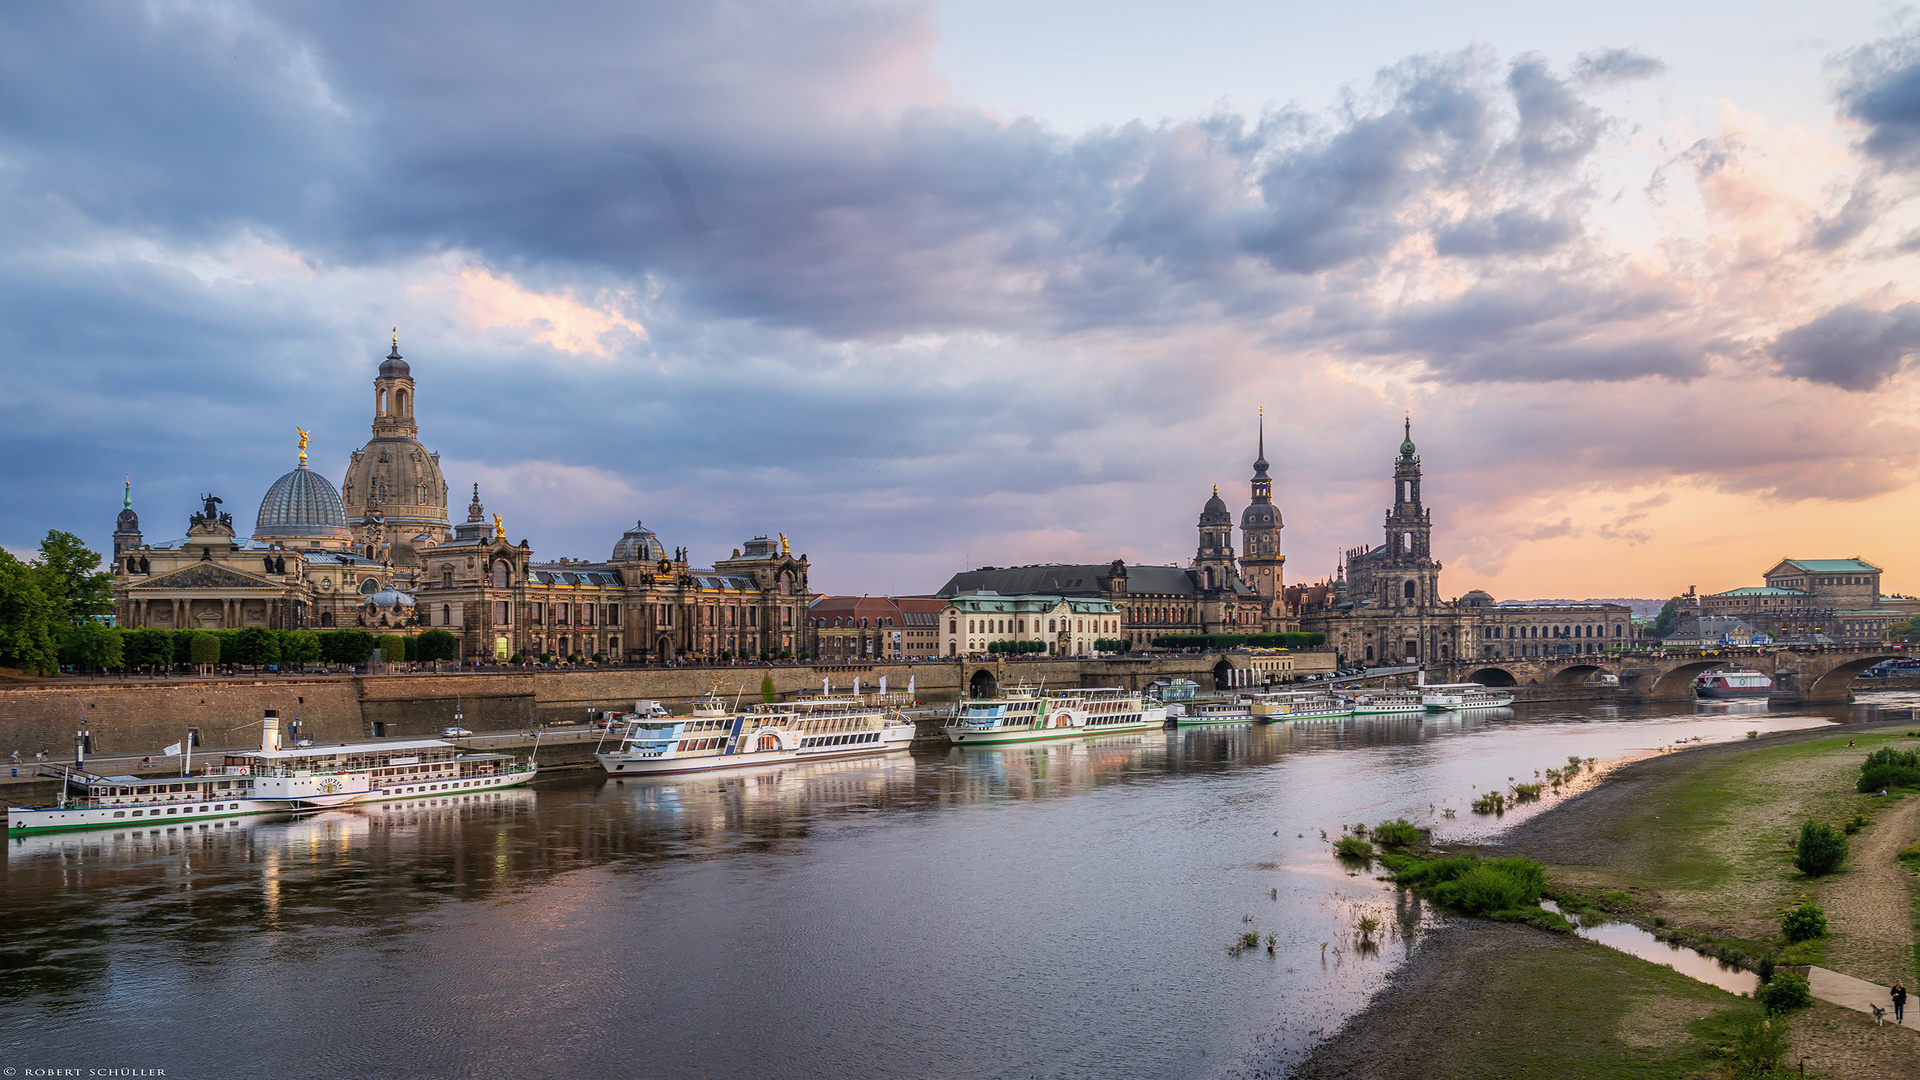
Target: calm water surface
x=1054, y=911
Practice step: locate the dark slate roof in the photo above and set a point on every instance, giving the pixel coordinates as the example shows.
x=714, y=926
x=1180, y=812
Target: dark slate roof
x=1074, y=579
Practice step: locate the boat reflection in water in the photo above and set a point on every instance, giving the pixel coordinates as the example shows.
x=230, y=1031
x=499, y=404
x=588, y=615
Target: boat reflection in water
x=129, y=845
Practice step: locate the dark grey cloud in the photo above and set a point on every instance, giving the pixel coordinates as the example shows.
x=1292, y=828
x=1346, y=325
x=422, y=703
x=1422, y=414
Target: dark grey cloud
x=1880, y=89
x=1609, y=67
x=1851, y=347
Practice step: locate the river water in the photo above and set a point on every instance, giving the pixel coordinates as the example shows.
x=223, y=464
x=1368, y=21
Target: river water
x=1052, y=911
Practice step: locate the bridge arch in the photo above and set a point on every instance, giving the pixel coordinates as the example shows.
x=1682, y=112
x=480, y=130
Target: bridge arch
x=1574, y=674
x=1678, y=682
x=1493, y=676
x=1223, y=675
x=984, y=684
x=1837, y=683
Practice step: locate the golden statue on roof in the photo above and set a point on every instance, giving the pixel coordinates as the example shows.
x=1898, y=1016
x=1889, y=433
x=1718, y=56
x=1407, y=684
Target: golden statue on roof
x=784, y=550
x=303, y=442
x=499, y=528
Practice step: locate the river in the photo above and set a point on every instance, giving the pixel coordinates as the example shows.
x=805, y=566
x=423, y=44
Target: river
x=1053, y=911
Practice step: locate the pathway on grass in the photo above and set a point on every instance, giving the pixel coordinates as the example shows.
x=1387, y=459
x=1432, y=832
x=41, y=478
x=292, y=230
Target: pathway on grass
x=1869, y=905
x=1858, y=995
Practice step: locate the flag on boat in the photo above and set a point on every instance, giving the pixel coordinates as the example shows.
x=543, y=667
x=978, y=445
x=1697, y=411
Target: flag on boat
x=909, y=686
x=856, y=686
x=172, y=751
x=883, y=685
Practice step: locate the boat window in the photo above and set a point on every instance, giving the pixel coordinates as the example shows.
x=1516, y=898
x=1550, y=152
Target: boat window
x=119, y=813
x=139, y=813
x=173, y=809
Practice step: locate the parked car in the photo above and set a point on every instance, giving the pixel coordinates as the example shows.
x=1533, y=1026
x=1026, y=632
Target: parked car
x=454, y=733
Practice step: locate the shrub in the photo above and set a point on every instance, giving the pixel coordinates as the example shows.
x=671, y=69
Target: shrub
x=1804, y=923
x=1785, y=992
x=1887, y=755
x=1887, y=776
x=1491, y=803
x=1820, y=851
x=1759, y=1046
x=1397, y=833
x=1495, y=885
x=1352, y=847
x=1526, y=792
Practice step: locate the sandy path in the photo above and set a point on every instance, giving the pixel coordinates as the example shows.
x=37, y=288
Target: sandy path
x=1869, y=903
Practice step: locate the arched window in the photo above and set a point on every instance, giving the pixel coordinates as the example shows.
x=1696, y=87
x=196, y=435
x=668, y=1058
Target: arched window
x=326, y=618
x=500, y=575
x=1409, y=590
x=446, y=615
x=446, y=579
x=369, y=586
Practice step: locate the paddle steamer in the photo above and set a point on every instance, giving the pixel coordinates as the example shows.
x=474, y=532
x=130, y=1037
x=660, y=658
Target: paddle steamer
x=716, y=737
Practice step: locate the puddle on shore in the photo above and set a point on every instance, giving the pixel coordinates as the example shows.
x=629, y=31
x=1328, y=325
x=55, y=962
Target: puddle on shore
x=1635, y=941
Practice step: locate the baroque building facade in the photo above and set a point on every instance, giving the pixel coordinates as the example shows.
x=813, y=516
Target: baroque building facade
x=1804, y=599
x=379, y=553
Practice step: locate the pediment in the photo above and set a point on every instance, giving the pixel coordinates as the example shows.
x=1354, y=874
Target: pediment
x=208, y=576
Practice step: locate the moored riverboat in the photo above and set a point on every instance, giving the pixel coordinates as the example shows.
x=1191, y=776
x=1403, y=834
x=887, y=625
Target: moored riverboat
x=714, y=737
x=1025, y=714
x=1733, y=683
x=1369, y=702
x=1457, y=697
x=1281, y=705
x=1196, y=713
x=1112, y=708
x=271, y=780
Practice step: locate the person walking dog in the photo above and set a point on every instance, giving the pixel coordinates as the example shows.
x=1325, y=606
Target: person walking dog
x=1899, y=995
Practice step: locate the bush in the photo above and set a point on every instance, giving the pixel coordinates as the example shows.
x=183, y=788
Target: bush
x=1352, y=847
x=393, y=648
x=1495, y=885
x=1887, y=776
x=1759, y=1046
x=146, y=647
x=1785, y=992
x=1804, y=923
x=299, y=647
x=1820, y=851
x=1397, y=833
x=1887, y=755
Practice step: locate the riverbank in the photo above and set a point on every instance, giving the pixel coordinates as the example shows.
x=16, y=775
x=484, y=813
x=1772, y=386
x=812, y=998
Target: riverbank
x=1700, y=839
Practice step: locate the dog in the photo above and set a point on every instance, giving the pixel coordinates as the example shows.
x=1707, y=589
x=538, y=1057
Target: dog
x=1879, y=1015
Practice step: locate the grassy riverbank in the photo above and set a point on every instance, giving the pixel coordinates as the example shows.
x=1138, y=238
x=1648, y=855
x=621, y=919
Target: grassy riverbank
x=1699, y=840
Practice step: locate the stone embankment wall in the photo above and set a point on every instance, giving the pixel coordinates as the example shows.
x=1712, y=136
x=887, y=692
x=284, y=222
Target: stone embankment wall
x=140, y=716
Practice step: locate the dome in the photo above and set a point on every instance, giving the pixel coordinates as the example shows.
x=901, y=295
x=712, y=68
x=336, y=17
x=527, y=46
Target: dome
x=393, y=367
x=638, y=544
x=1216, y=512
x=1477, y=598
x=302, y=504
x=389, y=598
x=1259, y=516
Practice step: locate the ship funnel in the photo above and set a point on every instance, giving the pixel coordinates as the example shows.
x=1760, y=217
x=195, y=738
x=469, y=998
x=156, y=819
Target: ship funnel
x=270, y=732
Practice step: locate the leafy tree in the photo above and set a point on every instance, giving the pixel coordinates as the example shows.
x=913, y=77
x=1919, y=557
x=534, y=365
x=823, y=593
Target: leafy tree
x=393, y=648
x=299, y=647
x=91, y=647
x=767, y=693
x=27, y=618
x=1904, y=631
x=1804, y=923
x=71, y=577
x=351, y=646
x=229, y=646
x=437, y=644
x=1663, y=624
x=1820, y=851
x=411, y=645
x=203, y=648
x=256, y=646
x=147, y=648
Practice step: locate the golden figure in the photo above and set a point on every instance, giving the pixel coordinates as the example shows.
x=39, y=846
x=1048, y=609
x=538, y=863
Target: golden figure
x=303, y=443
x=783, y=545
x=499, y=528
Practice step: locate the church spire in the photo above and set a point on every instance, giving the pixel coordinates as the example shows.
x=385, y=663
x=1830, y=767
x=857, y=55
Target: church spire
x=127, y=503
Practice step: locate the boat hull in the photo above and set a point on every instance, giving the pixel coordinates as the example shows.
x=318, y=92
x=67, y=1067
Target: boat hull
x=621, y=766
x=26, y=820
x=1733, y=692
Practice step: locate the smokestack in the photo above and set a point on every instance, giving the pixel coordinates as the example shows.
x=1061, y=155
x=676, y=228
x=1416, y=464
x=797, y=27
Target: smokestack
x=270, y=732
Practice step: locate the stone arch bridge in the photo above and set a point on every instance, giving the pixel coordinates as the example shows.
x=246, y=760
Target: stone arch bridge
x=1819, y=673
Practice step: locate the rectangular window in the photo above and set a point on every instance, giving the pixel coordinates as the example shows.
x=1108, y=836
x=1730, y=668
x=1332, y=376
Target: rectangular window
x=560, y=614
x=501, y=610
x=586, y=614
x=613, y=614
x=534, y=613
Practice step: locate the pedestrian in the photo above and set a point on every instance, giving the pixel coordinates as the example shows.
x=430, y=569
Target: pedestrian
x=16, y=757
x=1899, y=995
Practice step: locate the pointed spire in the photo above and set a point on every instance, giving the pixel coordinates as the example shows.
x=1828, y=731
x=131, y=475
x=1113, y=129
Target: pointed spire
x=476, y=512
x=127, y=503
x=395, y=354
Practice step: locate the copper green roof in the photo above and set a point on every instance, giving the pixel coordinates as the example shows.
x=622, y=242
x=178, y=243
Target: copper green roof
x=1834, y=566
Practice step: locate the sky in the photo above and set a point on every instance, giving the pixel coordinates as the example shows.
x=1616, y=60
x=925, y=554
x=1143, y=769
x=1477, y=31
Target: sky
x=931, y=286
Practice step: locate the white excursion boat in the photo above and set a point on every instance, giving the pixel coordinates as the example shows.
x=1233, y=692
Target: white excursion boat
x=1733, y=682
x=1369, y=702
x=1111, y=708
x=1194, y=713
x=1452, y=697
x=1283, y=705
x=271, y=780
x=1023, y=715
x=715, y=737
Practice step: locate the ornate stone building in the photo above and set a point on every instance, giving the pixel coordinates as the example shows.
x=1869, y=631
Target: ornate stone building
x=1386, y=607
x=1261, y=561
x=379, y=554
x=1836, y=598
